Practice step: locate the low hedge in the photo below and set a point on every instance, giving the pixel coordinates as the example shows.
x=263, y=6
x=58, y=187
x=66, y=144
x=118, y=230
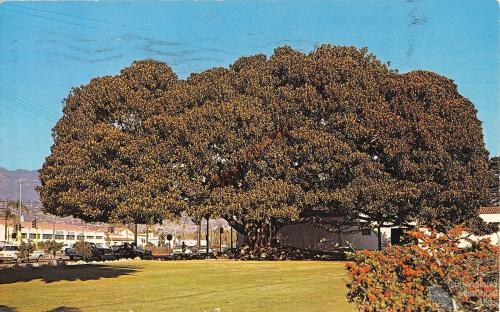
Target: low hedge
x=400, y=278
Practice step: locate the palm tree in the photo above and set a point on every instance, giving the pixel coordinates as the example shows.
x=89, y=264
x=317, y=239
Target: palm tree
x=10, y=212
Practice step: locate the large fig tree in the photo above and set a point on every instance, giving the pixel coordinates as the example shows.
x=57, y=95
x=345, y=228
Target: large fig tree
x=268, y=141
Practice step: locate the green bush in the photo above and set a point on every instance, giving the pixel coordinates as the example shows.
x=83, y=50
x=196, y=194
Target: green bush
x=83, y=250
x=400, y=278
x=25, y=249
x=51, y=247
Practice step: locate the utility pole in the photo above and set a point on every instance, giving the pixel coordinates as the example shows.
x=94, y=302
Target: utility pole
x=183, y=229
x=19, y=211
x=34, y=224
x=231, y=238
x=379, y=236
x=221, y=230
x=199, y=235
x=135, y=235
x=6, y=234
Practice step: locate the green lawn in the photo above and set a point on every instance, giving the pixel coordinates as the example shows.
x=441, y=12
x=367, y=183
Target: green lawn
x=206, y=285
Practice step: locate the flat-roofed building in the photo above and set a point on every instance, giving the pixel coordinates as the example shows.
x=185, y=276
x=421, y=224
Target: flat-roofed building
x=68, y=234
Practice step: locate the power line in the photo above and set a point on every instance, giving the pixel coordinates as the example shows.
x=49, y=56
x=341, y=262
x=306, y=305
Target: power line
x=50, y=18
x=128, y=27
x=30, y=104
x=109, y=30
x=16, y=104
x=69, y=15
x=38, y=119
x=36, y=108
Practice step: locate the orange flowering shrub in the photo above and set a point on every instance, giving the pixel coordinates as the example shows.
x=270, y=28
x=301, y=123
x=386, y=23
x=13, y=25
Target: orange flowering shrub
x=400, y=277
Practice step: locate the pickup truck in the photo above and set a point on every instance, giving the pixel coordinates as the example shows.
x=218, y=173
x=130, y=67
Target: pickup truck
x=9, y=252
x=127, y=251
x=97, y=253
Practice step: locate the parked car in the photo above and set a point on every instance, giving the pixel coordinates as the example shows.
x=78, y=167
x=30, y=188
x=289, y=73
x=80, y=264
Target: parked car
x=203, y=250
x=186, y=251
x=97, y=253
x=115, y=247
x=129, y=251
x=9, y=252
x=106, y=253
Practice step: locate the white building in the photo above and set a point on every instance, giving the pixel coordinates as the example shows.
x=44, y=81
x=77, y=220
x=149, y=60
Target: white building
x=67, y=234
x=308, y=236
x=491, y=214
x=311, y=237
x=119, y=236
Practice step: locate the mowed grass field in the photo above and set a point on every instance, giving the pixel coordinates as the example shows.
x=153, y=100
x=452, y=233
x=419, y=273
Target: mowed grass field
x=205, y=285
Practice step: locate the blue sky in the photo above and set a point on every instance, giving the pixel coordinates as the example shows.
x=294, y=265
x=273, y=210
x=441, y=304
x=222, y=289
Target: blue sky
x=48, y=47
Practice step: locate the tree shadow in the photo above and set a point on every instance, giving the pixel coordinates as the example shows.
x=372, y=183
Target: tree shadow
x=4, y=308
x=64, y=309
x=68, y=273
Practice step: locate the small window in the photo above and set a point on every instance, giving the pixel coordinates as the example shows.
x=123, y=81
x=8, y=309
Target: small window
x=366, y=232
x=90, y=237
x=80, y=237
x=33, y=235
x=23, y=235
x=59, y=236
x=70, y=237
x=98, y=237
x=47, y=236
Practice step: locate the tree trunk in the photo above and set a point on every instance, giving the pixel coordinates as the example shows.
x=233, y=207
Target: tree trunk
x=199, y=235
x=379, y=237
x=271, y=234
x=232, y=238
x=207, y=237
x=135, y=235
x=260, y=234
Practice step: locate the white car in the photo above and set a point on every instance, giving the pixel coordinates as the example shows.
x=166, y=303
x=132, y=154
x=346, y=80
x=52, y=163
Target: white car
x=9, y=252
x=178, y=251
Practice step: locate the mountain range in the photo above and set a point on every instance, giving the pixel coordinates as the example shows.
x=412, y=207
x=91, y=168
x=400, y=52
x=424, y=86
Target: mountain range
x=9, y=185
x=9, y=190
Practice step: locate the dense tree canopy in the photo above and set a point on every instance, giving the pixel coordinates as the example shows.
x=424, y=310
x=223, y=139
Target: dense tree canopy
x=102, y=164
x=268, y=141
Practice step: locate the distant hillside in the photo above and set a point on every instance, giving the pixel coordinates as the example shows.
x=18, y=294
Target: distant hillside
x=9, y=190
x=9, y=185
